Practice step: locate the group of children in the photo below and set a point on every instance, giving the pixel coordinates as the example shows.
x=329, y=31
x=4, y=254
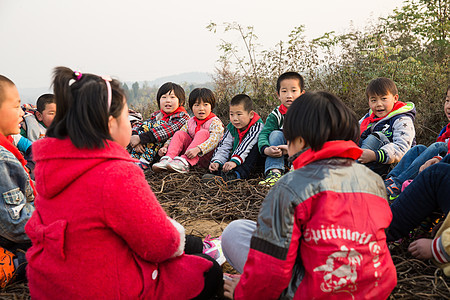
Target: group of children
x=321, y=231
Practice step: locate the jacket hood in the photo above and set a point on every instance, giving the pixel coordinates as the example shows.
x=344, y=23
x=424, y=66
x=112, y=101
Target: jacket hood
x=59, y=163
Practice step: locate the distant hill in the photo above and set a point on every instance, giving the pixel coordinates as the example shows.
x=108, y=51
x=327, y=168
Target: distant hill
x=190, y=78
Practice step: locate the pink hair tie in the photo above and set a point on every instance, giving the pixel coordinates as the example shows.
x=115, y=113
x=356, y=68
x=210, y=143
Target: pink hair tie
x=78, y=75
x=107, y=80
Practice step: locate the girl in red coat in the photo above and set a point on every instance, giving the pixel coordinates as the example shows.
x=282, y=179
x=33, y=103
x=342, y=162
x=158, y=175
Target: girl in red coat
x=98, y=231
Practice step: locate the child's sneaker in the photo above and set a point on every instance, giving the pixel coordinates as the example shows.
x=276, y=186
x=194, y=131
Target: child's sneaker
x=392, y=191
x=213, y=248
x=178, y=164
x=162, y=164
x=209, y=177
x=6, y=267
x=143, y=164
x=271, y=178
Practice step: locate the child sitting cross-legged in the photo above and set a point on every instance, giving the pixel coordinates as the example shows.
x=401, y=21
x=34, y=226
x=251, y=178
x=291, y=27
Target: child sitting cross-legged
x=194, y=142
x=150, y=135
x=238, y=151
x=320, y=231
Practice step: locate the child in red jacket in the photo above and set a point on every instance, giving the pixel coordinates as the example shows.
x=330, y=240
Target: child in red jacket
x=98, y=231
x=320, y=230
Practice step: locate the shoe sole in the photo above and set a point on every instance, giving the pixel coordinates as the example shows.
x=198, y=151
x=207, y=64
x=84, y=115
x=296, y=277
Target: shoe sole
x=169, y=168
x=157, y=169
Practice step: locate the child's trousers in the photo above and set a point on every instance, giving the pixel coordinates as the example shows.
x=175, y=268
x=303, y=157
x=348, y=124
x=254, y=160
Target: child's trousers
x=276, y=138
x=182, y=141
x=428, y=193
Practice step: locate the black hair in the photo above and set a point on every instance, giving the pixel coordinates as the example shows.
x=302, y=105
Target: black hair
x=291, y=75
x=202, y=94
x=43, y=100
x=320, y=117
x=244, y=100
x=83, y=112
x=381, y=86
x=177, y=90
x=4, y=81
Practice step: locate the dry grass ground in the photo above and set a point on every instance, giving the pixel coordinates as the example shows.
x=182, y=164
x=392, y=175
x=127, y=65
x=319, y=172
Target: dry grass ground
x=207, y=209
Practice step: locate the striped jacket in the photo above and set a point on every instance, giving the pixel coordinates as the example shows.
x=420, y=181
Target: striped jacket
x=230, y=146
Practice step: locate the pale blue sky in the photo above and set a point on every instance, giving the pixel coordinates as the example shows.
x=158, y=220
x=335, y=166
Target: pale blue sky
x=143, y=40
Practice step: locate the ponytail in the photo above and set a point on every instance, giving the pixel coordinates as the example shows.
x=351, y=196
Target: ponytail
x=82, y=108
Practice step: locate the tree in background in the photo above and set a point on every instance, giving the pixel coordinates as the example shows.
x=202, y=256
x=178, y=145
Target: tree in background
x=411, y=46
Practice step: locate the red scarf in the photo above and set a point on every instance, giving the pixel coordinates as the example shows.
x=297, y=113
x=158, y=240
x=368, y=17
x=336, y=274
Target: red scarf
x=372, y=119
x=7, y=142
x=283, y=109
x=445, y=135
x=178, y=110
x=201, y=122
x=241, y=134
x=341, y=149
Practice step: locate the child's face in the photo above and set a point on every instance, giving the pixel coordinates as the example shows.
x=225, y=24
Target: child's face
x=10, y=111
x=120, y=128
x=289, y=91
x=447, y=105
x=47, y=115
x=201, y=109
x=169, y=102
x=382, y=105
x=295, y=145
x=239, y=117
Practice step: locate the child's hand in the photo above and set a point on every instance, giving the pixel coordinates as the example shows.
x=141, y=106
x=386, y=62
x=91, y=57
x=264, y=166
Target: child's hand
x=428, y=163
x=273, y=151
x=230, y=285
x=214, y=167
x=367, y=156
x=135, y=140
x=139, y=149
x=162, y=151
x=229, y=165
x=284, y=149
x=421, y=248
x=191, y=153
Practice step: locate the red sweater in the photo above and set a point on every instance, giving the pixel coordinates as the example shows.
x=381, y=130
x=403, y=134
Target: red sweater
x=98, y=231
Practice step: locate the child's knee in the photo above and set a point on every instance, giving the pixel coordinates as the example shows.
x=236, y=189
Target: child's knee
x=276, y=138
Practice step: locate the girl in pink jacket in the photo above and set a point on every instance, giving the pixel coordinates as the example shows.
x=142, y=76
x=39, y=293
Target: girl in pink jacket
x=98, y=231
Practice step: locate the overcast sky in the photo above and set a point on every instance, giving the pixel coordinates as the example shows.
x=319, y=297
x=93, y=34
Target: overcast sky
x=143, y=39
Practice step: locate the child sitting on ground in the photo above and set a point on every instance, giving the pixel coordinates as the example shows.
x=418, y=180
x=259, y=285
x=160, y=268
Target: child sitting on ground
x=35, y=124
x=161, y=126
x=320, y=230
x=419, y=157
x=196, y=140
x=98, y=231
x=238, y=151
x=16, y=188
x=271, y=141
x=387, y=130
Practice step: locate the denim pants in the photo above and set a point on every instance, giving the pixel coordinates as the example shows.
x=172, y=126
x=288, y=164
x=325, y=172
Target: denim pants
x=276, y=138
x=374, y=142
x=409, y=165
x=236, y=242
x=429, y=192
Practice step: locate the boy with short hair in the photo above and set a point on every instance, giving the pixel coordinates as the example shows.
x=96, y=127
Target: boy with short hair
x=35, y=125
x=271, y=141
x=16, y=188
x=387, y=130
x=237, y=151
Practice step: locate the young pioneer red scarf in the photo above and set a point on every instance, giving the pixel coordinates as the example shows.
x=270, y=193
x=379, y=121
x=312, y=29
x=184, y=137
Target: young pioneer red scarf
x=445, y=135
x=372, y=118
x=283, y=109
x=178, y=110
x=201, y=122
x=341, y=149
x=7, y=142
x=242, y=133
